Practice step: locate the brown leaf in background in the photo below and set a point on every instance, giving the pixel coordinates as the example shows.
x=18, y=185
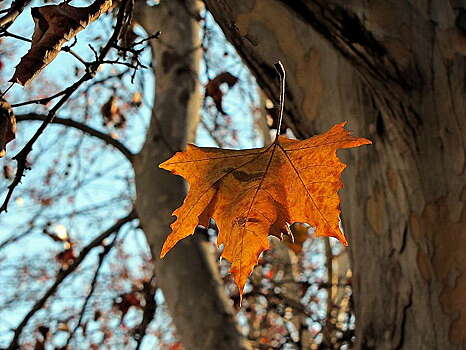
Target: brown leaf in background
x=66, y=257
x=7, y=125
x=63, y=326
x=54, y=26
x=97, y=315
x=110, y=110
x=125, y=301
x=43, y=330
x=40, y=345
x=112, y=114
x=213, y=90
x=8, y=172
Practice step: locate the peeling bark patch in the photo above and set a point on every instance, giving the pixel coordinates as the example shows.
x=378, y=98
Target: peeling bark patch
x=375, y=211
x=392, y=180
x=447, y=261
x=423, y=264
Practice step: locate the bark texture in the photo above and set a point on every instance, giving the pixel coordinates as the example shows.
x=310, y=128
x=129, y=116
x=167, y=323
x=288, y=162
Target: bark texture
x=189, y=275
x=396, y=71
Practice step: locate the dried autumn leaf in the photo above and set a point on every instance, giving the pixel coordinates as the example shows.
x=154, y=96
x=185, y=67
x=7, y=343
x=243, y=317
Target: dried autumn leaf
x=97, y=315
x=66, y=257
x=112, y=114
x=213, y=90
x=40, y=345
x=63, y=326
x=7, y=125
x=125, y=301
x=254, y=193
x=44, y=331
x=8, y=172
x=136, y=99
x=54, y=26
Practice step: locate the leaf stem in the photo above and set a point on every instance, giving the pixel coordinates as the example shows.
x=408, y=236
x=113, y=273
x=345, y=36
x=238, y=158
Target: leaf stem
x=281, y=73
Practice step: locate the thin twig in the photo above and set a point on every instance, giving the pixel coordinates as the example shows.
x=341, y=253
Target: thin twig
x=14, y=11
x=156, y=35
x=46, y=100
x=19, y=37
x=149, y=289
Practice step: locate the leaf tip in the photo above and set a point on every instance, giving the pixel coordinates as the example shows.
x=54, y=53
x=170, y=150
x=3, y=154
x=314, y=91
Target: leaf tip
x=165, y=249
x=342, y=240
x=167, y=166
x=366, y=141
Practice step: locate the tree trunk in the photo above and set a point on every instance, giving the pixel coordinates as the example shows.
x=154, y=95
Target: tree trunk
x=188, y=276
x=395, y=70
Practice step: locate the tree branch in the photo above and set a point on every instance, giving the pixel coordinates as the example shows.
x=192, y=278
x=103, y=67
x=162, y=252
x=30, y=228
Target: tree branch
x=82, y=127
x=149, y=289
x=15, y=10
x=63, y=274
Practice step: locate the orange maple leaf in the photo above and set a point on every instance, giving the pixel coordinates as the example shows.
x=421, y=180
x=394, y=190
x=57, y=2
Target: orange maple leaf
x=254, y=193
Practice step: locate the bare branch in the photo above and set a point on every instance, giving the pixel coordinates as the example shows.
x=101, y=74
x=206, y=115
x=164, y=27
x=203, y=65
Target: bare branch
x=45, y=100
x=149, y=289
x=62, y=274
x=21, y=157
x=109, y=140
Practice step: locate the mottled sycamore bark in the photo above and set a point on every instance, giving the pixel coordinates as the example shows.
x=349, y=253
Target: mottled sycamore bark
x=396, y=71
x=188, y=275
